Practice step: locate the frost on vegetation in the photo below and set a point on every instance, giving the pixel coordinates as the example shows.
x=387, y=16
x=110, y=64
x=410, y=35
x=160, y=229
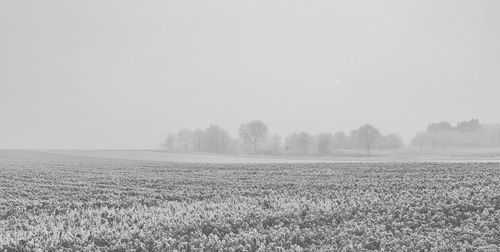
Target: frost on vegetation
x=146, y=206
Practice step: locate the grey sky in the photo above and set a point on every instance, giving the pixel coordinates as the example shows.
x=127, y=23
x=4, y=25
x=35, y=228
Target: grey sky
x=121, y=74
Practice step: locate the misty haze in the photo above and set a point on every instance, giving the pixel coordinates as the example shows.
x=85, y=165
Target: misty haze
x=343, y=125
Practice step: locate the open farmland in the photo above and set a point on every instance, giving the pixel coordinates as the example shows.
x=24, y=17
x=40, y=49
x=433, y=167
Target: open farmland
x=56, y=202
x=149, y=155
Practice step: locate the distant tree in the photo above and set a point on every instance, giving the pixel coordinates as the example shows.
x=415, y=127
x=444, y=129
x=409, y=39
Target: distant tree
x=438, y=127
x=468, y=126
x=276, y=142
x=253, y=133
x=184, y=140
x=169, y=142
x=325, y=141
x=291, y=142
x=365, y=136
x=340, y=141
x=420, y=140
x=303, y=141
x=391, y=141
x=299, y=142
x=466, y=134
x=216, y=139
x=495, y=130
x=198, y=137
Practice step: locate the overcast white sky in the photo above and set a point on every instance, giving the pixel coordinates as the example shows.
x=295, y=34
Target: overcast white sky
x=122, y=74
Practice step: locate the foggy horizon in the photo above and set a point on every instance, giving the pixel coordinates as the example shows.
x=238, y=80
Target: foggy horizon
x=227, y=125
x=123, y=74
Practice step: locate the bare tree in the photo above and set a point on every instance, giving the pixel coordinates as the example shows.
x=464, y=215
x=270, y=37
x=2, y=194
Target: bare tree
x=325, y=141
x=184, y=140
x=253, y=133
x=340, y=141
x=420, y=140
x=466, y=134
x=198, y=136
x=440, y=126
x=169, y=142
x=469, y=126
x=365, y=136
x=392, y=141
x=299, y=142
x=276, y=141
x=216, y=139
x=304, y=141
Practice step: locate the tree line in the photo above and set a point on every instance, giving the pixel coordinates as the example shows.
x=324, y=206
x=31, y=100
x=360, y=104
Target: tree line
x=464, y=134
x=255, y=138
